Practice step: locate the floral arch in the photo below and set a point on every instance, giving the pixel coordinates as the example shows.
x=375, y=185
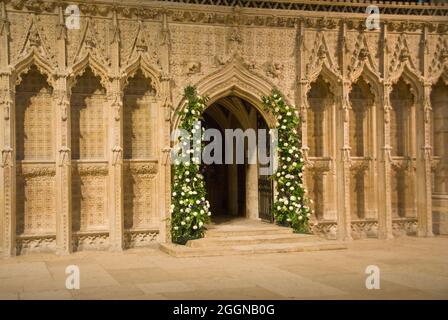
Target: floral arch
x=190, y=210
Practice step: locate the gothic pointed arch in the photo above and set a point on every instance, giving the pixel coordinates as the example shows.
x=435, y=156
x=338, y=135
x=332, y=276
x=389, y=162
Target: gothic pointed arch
x=234, y=79
x=362, y=58
x=34, y=49
x=444, y=76
x=240, y=113
x=370, y=77
x=89, y=54
x=140, y=62
x=97, y=68
x=362, y=64
x=403, y=66
x=438, y=66
x=32, y=58
x=411, y=78
x=401, y=57
x=321, y=61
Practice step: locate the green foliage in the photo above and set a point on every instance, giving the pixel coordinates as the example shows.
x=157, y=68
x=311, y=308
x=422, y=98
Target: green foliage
x=291, y=204
x=189, y=209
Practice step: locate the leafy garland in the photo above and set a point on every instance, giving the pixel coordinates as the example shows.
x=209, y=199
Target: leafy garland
x=190, y=210
x=291, y=204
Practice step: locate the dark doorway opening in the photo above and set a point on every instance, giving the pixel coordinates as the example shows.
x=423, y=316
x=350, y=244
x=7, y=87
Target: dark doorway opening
x=232, y=189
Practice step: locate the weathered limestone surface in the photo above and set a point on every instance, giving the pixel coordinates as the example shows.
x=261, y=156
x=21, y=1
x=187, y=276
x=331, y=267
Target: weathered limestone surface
x=86, y=113
x=411, y=268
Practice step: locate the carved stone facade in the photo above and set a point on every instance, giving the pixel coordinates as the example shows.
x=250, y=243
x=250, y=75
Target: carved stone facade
x=87, y=113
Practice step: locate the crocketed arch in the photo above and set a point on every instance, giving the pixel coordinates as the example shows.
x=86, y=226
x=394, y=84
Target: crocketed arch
x=97, y=68
x=371, y=77
x=443, y=76
x=234, y=79
x=328, y=74
x=33, y=58
x=411, y=78
x=141, y=63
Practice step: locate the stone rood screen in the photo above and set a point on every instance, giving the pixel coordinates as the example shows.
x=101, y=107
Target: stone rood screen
x=90, y=94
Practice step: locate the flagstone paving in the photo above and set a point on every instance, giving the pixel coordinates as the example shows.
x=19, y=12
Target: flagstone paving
x=410, y=268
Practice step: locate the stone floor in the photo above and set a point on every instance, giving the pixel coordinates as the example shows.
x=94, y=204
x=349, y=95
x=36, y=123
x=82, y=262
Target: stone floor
x=411, y=268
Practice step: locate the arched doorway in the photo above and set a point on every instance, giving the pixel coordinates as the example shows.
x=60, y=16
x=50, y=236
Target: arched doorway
x=237, y=189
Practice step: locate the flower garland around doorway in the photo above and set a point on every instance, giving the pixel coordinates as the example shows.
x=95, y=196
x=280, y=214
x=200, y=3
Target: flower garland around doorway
x=190, y=210
x=291, y=205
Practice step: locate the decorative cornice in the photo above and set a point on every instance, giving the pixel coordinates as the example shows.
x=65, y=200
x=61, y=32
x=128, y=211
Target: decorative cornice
x=342, y=6
x=279, y=13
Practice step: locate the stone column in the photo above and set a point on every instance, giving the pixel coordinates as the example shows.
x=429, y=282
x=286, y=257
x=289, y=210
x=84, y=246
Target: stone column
x=343, y=143
x=384, y=168
x=301, y=94
x=164, y=173
x=343, y=164
x=424, y=148
x=115, y=199
x=424, y=158
x=7, y=144
x=8, y=165
x=252, y=176
x=384, y=161
x=252, y=191
x=372, y=170
x=63, y=133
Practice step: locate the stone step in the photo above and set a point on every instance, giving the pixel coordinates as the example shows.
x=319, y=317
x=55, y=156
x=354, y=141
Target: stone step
x=185, y=251
x=209, y=241
x=239, y=231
